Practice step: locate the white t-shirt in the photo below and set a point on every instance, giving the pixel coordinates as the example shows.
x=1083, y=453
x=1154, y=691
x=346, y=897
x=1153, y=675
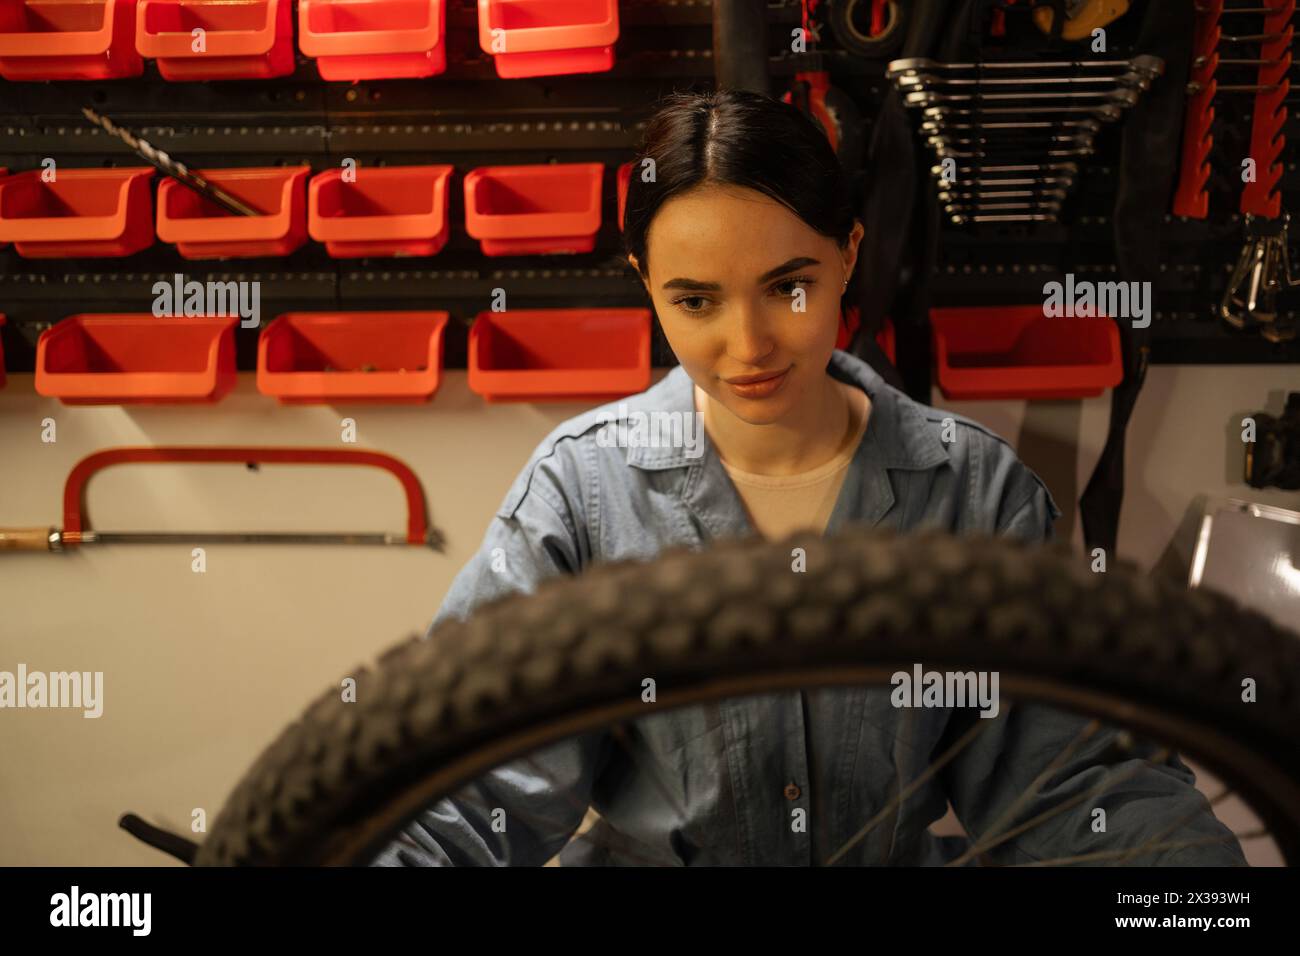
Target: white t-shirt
x=780, y=504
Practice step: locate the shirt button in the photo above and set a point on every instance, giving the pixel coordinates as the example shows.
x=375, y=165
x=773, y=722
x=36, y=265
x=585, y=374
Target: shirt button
x=792, y=791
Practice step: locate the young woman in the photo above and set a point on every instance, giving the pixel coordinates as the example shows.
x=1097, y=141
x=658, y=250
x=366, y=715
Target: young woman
x=739, y=224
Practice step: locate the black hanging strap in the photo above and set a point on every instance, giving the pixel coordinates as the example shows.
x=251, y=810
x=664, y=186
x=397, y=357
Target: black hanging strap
x=1149, y=156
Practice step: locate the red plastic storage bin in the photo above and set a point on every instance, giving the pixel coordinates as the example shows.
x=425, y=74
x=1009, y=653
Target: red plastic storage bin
x=559, y=355
x=1017, y=352
x=243, y=39
x=130, y=359
x=203, y=230
x=624, y=180
x=522, y=210
x=84, y=212
x=386, y=211
x=548, y=37
x=374, y=39
x=320, y=357
x=68, y=40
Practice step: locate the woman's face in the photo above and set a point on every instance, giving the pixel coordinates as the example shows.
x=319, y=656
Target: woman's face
x=745, y=289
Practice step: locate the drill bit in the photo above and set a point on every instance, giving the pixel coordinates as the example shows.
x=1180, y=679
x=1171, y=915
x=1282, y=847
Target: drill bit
x=172, y=167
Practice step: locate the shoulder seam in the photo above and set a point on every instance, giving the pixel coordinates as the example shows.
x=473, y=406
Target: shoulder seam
x=545, y=450
x=1002, y=526
x=938, y=415
x=544, y=496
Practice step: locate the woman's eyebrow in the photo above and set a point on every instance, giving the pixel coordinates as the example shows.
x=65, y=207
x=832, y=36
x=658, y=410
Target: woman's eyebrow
x=695, y=285
x=799, y=262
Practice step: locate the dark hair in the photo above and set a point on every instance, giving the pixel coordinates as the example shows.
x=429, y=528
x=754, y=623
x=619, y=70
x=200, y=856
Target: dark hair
x=739, y=138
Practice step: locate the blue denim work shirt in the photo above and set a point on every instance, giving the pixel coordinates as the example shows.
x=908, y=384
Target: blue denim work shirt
x=734, y=770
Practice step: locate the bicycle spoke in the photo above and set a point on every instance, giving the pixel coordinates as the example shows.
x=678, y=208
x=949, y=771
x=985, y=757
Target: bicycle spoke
x=1177, y=824
x=982, y=844
x=911, y=788
x=1105, y=783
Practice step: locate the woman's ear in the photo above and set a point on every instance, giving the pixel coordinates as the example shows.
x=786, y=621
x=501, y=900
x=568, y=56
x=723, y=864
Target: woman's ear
x=850, y=248
x=636, y=266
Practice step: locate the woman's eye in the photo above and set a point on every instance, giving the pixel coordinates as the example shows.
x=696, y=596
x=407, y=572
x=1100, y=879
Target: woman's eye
x=786, y=287
x=691, y=303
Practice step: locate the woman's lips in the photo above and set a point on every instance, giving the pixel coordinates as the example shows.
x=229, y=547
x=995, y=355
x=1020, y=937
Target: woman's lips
x=762, y=389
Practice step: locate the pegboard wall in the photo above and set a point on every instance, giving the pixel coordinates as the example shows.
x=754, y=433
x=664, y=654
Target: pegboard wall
x=995, y=264
x=469, y=117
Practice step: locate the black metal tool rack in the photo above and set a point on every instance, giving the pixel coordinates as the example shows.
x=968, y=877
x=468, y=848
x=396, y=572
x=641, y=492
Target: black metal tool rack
x=469, y=117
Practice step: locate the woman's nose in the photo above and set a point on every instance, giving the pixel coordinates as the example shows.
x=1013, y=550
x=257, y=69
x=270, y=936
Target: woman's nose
x=749, y=339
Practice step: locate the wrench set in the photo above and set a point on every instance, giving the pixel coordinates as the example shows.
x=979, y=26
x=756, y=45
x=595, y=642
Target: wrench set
x=1255, y=37
x=1010, y=136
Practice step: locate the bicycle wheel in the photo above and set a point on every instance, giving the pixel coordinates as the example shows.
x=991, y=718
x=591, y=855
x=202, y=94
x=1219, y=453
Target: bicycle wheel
x=734, y=619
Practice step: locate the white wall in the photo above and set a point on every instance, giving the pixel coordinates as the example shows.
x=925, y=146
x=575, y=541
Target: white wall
x=202, y=670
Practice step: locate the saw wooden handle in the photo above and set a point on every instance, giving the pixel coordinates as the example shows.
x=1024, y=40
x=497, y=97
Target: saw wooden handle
x=25, y=539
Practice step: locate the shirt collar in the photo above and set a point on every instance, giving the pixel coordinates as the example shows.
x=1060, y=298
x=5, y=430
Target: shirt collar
x=897, y=431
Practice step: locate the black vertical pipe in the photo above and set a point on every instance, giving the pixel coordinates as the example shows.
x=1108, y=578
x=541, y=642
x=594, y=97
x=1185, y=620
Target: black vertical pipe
x=740, y=45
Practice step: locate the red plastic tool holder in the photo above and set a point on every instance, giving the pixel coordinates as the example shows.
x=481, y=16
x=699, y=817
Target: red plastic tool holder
x=559, y=355
x=84, y=212
x=374, y=39
x=1262, y=196
x=386, y=211
x=76, y=522
x=136, y=359
x=203, y=230
x=243, y=39
x=548, y=37
x=624, y=180
x=1017, y=352
x=1191, y=198
x=68, y=40
x=523, y=210
x=322, y=357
